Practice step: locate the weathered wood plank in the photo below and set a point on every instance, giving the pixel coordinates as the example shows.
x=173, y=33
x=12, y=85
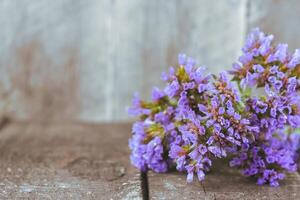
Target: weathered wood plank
x=66, y=161
x=280, y=18
x=120, y=47
x=221, y=183
x=85, y=161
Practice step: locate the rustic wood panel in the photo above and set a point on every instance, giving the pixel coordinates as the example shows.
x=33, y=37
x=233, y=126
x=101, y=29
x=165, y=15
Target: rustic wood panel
x=89, y=161
x=121, y=46
x=280, y=18
x=221, y=183
x=66, y=161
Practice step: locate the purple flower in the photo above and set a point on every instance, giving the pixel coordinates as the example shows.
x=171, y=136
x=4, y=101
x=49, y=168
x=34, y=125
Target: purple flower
x=255, y=37
x=198, y=117
x=250, y=80
x=295, y=60
x=170, y=76
x=188, y=86
x=266, y=46
x=154, y=156
x=292, y=85
x=277, y=85
x=260, y=106
x=189, y=67
x=157, y=94
x=137, y=108
x=259, y=160
x=274, y=69
x=146, y=154
x=138, y=149
x=172, y=88
x=182, y=59
x=280, y=54
x=246, y=58
x=258, y=68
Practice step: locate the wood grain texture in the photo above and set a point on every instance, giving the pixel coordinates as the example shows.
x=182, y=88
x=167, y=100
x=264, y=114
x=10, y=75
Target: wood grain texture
x=121, y=46
x=280, y=18
x=66, y=161
x=89, y=161
x=222, y=183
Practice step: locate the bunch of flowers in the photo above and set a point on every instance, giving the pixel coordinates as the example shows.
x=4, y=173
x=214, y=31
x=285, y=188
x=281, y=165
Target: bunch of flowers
x=276, y=111
x=199, y=117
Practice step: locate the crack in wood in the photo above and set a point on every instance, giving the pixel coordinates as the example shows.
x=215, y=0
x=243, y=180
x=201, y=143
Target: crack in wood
x=144, y=185
x=4, y=122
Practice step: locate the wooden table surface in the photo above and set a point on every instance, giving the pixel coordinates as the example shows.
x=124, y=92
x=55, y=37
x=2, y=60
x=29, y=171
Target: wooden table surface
x=88, y=161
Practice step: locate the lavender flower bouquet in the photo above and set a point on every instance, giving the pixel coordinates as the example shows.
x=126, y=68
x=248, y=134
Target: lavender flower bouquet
x=251, y=118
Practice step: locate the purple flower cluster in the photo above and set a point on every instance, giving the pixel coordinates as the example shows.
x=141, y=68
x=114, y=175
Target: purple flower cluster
x=265, y=65
x=199, y=117
x=267, y=159
x=150, y=132
x=275, y=111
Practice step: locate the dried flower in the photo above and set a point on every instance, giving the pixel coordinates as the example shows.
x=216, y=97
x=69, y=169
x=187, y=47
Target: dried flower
x=200, y=117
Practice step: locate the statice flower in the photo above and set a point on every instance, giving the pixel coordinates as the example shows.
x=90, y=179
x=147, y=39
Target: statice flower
x=209, y=120
x=294, y=141
x=192, y=121
x=200, y=117
x=273, y=111
x=137, y=108
x=264, y=64
x=148, y=146
x=268, y=159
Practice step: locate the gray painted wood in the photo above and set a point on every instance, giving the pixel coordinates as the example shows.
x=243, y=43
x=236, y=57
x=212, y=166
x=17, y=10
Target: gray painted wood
x=120, y=47
x=280, y=18
x=149, y=35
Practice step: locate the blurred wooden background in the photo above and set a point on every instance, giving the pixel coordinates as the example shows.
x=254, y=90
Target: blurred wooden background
x=83, y=59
